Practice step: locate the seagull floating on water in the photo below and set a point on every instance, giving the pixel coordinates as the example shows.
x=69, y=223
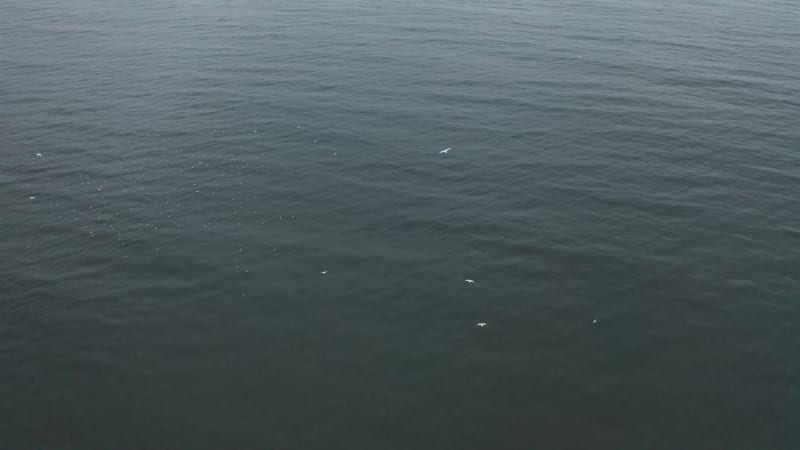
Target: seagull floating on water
x=324, y=272
x=481, y=324
x=445, y=150
x=469, y=281
x=594, y=321
x=38, y=154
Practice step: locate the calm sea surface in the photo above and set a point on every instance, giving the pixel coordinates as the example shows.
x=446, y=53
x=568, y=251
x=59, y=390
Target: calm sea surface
x=623, y=187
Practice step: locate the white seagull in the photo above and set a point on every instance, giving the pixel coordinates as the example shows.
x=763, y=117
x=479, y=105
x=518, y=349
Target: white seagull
x=445, y=150
x=38, y=154
x=469, y=281
x=481, y=324
x=324, y=272
x=594, y=321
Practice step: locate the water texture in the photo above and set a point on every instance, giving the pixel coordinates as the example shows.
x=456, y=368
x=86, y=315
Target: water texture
x=623, y=186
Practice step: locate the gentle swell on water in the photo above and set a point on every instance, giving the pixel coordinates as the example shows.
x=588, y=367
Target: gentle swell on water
x=623, y=186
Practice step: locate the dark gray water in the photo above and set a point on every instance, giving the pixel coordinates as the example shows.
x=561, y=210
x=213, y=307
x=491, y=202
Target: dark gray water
x=623, y=186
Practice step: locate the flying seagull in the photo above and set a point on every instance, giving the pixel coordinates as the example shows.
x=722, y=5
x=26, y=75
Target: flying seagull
x=445, y=150
x=481, y=324
x=469, y=281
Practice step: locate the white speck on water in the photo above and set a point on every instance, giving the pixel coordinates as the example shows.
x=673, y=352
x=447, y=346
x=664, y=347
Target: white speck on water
x=446, y=150
x=32, y=197
x=594, y=321
x=38, y=154
x=324, y=272
x=469, y=281
x=481, y=324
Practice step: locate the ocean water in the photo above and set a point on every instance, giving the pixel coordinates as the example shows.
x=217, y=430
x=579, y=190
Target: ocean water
x=623, y=186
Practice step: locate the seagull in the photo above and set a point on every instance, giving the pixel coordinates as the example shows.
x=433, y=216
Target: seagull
x=32, y=197
x=594, y=321
x=324, y=272
x=469, y=281
x=38, y=154
x=445, y=150
x=481, y=324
